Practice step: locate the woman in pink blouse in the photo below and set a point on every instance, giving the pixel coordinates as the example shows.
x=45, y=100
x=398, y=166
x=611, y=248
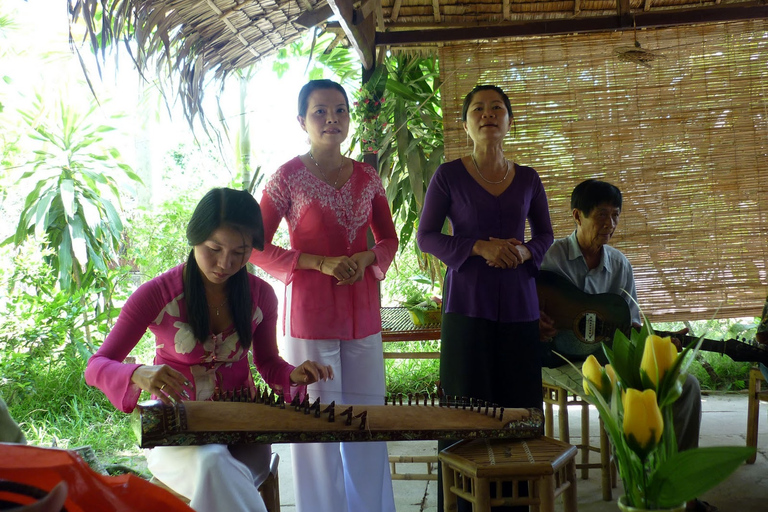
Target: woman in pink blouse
x=206, y=315
x=332, y=296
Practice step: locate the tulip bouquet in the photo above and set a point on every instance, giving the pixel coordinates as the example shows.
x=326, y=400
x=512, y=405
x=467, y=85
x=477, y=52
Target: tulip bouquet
x=634, y=396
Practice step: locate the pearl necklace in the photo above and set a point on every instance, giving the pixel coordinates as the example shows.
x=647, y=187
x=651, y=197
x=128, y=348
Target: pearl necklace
x=483, y=177
x=325, y=178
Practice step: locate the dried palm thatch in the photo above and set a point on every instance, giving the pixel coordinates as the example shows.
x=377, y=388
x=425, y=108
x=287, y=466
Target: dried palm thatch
x=194, y=41
x=189, y=42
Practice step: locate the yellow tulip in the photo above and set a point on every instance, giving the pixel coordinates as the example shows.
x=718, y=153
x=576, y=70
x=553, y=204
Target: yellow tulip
x=643, y=424
x=659, y=355
x=593, y=373
x=604, y=379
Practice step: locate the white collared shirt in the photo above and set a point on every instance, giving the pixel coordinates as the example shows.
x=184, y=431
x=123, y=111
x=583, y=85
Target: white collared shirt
x=612, y=275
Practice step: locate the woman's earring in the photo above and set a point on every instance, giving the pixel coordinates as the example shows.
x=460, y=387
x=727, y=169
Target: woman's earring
x=467, y=138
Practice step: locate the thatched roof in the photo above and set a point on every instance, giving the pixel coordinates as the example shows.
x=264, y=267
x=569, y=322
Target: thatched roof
x=195, y=40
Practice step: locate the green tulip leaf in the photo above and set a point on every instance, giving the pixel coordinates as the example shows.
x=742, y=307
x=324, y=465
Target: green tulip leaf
x=686, y=475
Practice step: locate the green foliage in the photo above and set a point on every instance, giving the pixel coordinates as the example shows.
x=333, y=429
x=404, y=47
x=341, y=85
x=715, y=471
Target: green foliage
x=155, y=241
x=75, y=183
x=321, y=54
x=715, y=371
x=41, y=323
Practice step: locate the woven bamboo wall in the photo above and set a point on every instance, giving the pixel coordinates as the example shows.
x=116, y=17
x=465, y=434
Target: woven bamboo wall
x=686, y=140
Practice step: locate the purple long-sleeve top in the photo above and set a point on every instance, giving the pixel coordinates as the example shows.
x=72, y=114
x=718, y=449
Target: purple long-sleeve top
x=472, y=288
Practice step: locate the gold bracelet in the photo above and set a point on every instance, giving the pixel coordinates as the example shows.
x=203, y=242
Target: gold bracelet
x=320, y=266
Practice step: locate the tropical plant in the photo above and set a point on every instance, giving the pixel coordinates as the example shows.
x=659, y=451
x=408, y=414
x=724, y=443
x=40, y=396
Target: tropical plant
x=75, y=180
x=40, y=324
x=634, y=395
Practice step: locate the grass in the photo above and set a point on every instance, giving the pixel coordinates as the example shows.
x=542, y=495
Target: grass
x=412, y=375
x=58, y=409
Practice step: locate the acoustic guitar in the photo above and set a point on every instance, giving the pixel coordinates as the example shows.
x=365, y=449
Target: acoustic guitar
x=584, y=320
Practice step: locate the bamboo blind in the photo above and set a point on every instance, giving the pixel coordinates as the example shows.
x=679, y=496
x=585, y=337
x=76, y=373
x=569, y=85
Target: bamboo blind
x=686, y=140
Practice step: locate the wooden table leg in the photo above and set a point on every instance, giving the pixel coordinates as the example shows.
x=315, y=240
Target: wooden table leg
x=546, y=491
x=753, y=410
x=562, y=415
x=570, y=499
x=449, y=498
x=585, y=440
x=482, y=492
x=605, y=463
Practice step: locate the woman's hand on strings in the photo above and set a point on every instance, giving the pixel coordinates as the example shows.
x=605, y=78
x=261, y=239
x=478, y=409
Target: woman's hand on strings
x=310, y=372
x=162, y=381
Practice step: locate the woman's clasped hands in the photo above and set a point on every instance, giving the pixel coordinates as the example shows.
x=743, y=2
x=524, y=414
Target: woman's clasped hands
x=347, y=269
x=502, y=253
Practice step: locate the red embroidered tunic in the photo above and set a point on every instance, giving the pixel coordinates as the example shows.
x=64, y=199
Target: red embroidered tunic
x=327, y=222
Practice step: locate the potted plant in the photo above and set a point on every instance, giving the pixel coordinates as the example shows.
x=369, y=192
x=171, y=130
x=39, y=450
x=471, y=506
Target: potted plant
x=424, y=308
x=634, y=396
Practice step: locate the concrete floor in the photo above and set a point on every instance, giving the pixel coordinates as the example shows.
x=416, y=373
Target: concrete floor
x=723, y=423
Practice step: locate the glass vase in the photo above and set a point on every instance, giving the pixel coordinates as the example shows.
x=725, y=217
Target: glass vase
x=626, y=508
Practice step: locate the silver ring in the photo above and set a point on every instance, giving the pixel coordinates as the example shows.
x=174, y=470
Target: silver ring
x=349, y=269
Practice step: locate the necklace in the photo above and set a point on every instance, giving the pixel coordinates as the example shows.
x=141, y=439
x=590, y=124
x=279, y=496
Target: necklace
x=484, y=178
x=218, y=307
x=325, y=178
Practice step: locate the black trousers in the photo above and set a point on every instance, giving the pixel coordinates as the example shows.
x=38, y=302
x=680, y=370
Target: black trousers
x=494, y=361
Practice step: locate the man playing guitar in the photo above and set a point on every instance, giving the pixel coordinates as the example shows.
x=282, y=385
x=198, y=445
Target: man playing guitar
x=585, y=259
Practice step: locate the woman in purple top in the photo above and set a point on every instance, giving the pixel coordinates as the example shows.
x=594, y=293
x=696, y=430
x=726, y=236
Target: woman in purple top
x=490, y=330
x=206, y=315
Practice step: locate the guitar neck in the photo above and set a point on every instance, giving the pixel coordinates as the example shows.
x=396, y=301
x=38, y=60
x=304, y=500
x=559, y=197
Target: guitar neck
x=738, y=350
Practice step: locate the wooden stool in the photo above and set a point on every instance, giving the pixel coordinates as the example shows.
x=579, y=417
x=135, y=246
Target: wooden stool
x=471, y=466
x=269, y=489
x=556, y=395
x=753, y=407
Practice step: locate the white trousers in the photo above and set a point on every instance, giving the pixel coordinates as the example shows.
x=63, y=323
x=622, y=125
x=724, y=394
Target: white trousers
x=343, y=477
x=214, y=477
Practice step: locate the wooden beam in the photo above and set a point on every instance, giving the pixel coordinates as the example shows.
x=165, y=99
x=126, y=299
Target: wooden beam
x=380, y=26
x=396, y=10
x=312, y=18
x=362, y=35
x=652, y=19
x=366, y=8
x=622, y=7
x=436, y=10
x=505, y=9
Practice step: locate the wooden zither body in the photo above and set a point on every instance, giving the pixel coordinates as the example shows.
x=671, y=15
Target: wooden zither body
x=226, y=422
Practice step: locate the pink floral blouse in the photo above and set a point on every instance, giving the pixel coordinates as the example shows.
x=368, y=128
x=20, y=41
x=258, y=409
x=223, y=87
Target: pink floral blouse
x=328, y=222
x=219, y=361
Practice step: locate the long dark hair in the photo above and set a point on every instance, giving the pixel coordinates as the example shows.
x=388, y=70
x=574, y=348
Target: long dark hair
x=238, y=210
x=315, y=85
